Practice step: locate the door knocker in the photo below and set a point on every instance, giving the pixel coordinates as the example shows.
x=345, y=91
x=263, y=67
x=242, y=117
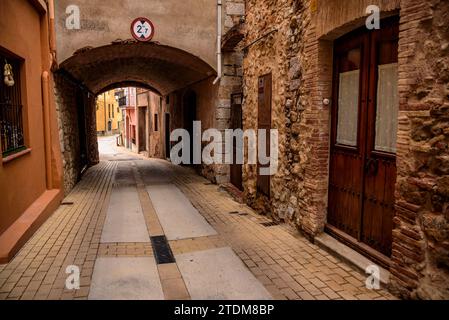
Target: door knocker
x=9, y=76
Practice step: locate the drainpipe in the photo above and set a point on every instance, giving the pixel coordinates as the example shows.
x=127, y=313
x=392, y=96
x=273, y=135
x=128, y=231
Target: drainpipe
x=52, y=35
x=47, y=133
x=105, y=120
x=219, y=26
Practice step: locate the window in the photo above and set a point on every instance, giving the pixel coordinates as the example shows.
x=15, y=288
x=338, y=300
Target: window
x=167, y=100
x=387, y=108
x=156, y=122
x=348, y=97
x=133, y=134
x=109, y=110
x=11, y=118
x=113, y=112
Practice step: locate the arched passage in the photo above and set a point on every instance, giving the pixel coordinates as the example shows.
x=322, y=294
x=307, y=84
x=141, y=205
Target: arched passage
x=90, y=71
x=160, y=67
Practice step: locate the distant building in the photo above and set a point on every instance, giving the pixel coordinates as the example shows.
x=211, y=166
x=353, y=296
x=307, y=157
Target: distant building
x=127, y=101
x=154, y=124
x=109, y=114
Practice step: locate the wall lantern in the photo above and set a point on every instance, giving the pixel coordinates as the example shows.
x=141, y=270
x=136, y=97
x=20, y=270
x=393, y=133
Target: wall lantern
x=9, y=76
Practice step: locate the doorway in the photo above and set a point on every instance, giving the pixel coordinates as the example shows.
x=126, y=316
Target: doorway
x=363, y=139
x=143, y=133
x=167, y=136
x=189, y=114
x=264, y=123
x=81, y=113
x=236, y=123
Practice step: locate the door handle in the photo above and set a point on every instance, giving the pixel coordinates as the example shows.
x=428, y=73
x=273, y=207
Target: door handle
x=372, y=166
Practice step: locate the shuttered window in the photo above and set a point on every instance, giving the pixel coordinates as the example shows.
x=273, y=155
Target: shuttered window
x=264, y=122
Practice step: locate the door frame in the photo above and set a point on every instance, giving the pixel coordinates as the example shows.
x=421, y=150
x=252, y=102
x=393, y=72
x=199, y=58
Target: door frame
x=367, y=106
x=167, y=124
x=238, y=167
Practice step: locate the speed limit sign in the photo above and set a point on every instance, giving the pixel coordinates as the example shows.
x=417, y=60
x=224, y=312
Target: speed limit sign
x=142, y=29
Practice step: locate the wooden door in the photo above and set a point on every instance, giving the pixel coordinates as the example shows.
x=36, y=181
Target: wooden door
x=142, y=132
x=236, y=123
x=364, y=127
x=264, y=122
x=189, y=113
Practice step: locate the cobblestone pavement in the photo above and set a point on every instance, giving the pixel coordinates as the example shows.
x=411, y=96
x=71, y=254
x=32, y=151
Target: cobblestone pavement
x=288, y=265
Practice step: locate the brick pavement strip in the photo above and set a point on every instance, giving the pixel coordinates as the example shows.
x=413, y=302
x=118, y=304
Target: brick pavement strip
x=287, y=264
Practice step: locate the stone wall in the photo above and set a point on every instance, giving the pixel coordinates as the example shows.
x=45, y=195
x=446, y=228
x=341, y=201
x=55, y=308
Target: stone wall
x=294, y=41
x=231, y=82
x=421, y=237
x=90, y=104
x=65, y=93
x=205, y=95
x=275, y=24
x=68, y=96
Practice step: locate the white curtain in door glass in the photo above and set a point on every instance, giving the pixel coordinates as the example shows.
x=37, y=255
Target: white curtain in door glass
x=387, y=108
x=348, y=108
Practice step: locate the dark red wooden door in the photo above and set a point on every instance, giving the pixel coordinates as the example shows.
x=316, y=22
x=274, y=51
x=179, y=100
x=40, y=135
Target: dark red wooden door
x=236, y=123
x=264, y=122
x=364, y=126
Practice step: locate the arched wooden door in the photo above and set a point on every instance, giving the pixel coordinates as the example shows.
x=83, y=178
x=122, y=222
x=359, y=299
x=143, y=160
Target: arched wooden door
x=363, y=139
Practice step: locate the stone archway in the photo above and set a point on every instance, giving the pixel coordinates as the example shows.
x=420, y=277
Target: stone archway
x=159, y=68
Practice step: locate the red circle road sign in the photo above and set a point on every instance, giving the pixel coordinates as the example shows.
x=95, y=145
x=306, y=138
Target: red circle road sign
x=142, y=29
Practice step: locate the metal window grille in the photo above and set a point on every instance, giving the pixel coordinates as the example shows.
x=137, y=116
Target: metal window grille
x=11, y=118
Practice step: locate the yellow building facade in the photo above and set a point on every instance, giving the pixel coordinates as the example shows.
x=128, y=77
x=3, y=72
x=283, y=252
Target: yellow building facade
x=109, y=115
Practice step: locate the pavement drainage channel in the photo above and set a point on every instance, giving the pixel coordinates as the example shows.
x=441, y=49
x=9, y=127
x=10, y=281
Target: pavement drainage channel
x=270, y=224
x=162, y=251
x=238, y=213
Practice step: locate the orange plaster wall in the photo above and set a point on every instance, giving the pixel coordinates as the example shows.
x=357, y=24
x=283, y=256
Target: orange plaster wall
x=23, y=180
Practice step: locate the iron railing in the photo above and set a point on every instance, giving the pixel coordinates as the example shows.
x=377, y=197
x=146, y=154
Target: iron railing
x=11, y=118
x=122, y=101
x=11, y=128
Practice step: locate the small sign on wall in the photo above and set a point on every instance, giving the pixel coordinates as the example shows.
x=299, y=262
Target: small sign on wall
x=142, y=29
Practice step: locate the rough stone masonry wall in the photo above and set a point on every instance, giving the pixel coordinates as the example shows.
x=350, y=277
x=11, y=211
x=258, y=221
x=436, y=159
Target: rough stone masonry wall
x=231, y=82
x=277, y=24
x=421, y=237
x=65, y=96
x=300, y=57
x=66, y=106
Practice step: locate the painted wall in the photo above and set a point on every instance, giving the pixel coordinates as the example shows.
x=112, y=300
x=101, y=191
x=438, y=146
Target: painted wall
x=29, y=183
x=189, y=25
x=206, y=101
x=23, y=180
x=107, y=109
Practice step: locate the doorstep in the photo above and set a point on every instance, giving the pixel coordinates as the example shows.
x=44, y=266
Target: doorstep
x=335, y=247
x=12, y=240
x=235, y=193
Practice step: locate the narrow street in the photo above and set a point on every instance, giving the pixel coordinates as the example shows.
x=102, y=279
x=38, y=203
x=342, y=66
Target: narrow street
x=113, y=226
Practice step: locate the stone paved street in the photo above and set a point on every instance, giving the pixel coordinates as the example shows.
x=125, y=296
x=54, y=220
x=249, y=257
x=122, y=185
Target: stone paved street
x=220, y=236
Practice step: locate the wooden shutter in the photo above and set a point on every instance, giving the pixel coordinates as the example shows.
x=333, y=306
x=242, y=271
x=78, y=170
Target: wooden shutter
x=264, y=122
